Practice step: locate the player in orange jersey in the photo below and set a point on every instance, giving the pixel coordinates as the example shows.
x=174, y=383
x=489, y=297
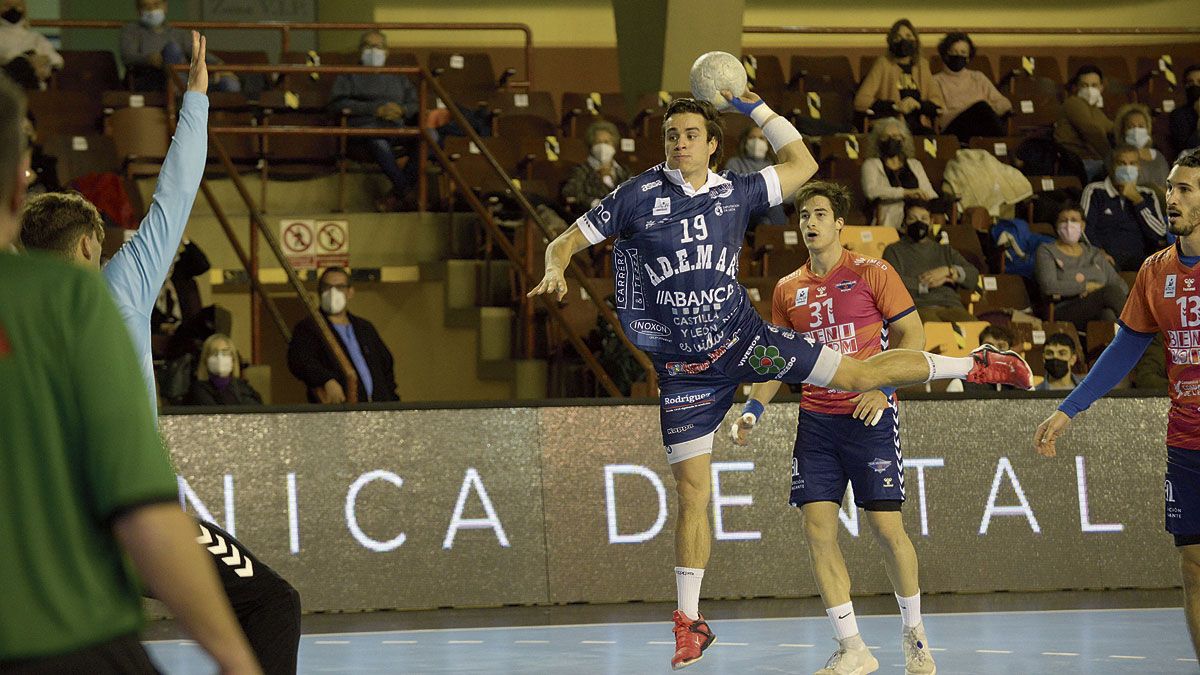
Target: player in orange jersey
x=1165, y=299
x=858, y=306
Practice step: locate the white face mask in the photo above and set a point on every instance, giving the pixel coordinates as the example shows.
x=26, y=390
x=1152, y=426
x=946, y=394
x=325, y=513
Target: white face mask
x=374, y=56
x=1092, y=96
x=1070, y=231
x=1138, y=137
x=154, y=18
x=333, y=301
x=220, y=365
x=603, y=152
x=756, y=148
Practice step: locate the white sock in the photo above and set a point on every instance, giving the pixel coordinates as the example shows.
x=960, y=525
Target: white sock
x=910, y=609
x=842, y=618
x=687, y=590
x=948, y=367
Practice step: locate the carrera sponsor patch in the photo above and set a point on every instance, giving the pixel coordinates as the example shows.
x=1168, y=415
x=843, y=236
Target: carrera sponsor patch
x=688, y=400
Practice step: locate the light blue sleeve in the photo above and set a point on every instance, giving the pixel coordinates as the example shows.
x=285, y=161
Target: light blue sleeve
x=138, y=270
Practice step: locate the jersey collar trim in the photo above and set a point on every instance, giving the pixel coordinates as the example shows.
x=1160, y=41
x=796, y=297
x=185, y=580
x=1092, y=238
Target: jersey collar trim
x=675, y=176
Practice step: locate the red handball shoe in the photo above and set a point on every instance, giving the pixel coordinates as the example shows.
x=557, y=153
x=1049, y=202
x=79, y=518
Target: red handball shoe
x=691, y=639
x=993, y=366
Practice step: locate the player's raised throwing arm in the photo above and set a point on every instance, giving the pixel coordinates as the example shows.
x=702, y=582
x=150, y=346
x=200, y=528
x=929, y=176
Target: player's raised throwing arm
x=796, y=163
x=558, y=256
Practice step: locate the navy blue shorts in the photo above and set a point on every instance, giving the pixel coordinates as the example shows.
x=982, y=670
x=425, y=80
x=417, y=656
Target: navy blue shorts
x=694, y=395
x=1181, y=492
x=833, y=449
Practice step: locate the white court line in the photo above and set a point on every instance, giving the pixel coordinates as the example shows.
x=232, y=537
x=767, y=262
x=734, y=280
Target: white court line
x=597, y=642
x=1121, y=656
x=464, y=642
x=659, y=623
x=531, y=642
x=331, y=642
x=731, y=644
x=937, y=649
x=1187, y=660
x=787, y=644
x=660, y=642
x=399, y=642
x=1059, y=654
x=992, y=651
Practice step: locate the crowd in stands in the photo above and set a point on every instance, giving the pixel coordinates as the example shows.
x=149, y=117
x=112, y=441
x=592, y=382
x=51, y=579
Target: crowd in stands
x=980, y=181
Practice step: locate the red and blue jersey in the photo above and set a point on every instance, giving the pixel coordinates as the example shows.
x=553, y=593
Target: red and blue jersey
x=847, y=310
x=675, y=258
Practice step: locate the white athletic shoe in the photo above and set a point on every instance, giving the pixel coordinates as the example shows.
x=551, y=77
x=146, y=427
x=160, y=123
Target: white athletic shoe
x=856, y=660
x=917, y=659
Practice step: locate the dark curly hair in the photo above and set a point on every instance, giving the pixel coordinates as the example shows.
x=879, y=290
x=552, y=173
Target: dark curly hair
x=948, y=42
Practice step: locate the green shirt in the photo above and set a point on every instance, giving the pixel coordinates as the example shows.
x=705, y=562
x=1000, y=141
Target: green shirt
x=78, y=448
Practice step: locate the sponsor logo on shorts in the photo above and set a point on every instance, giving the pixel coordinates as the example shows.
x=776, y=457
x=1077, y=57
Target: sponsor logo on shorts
x=1169, y=491
x=651, y=185
x=688, y=400
x=801, y=296
x=1169, y=286
x=662, y=206
x=845, y=286
x=679, y=430
x=879, y=465
x=887, y=481
x=685, y=368
x=649, y=328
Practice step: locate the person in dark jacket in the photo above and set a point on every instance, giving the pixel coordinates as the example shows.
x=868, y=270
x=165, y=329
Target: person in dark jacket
x=313, y=364
x=219, y=376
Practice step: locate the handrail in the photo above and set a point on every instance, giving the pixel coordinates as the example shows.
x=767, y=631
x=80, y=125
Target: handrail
x=286, y=27
x=310, y=307
x=605, y=311
x=1033, y=30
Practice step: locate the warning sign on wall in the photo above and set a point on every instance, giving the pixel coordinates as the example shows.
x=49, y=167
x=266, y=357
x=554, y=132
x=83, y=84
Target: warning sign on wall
x=332, y=243
x=298, y=239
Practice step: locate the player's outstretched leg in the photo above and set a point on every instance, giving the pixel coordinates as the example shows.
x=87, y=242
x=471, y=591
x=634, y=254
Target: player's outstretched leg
x=900, y=560
x=833, y=581
x=1189, y=558
x=266, y=605
x=693, y=541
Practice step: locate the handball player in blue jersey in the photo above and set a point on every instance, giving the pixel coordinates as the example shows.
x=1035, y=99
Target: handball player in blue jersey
x=678, y=230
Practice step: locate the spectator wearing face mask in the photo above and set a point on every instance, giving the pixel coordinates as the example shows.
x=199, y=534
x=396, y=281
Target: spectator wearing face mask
x=891, y=174
x=1123, y=218
x=1058, y=359
x=1077, y=276
x=932, y=272
x=754, y=154
x=150, y=44
x=1084, y=128
x=973, y=105
x=219, y=376
x=318, y=369
x=1185, y=119
x=1131, y=125
x=383, y=100
x=900, y=82
x=1002, y=338
x=591, y=181
x=26, y=55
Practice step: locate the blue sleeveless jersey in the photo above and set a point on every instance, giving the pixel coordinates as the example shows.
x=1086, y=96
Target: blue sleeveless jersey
x=675, y=259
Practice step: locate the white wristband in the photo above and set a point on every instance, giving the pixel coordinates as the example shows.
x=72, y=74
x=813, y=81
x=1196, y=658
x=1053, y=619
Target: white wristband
x=780, y=133
x=761, y=113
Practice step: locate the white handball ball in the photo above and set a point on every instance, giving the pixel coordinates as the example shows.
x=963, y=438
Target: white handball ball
x=715, y=71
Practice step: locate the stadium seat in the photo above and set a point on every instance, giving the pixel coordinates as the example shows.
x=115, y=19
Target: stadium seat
x=952, y=338
x=849, y=146
x=1115, y=69
x=579, y=107
x=827, y=73
x=868, y=240
x=88, y=71
x=243, y=149
x=998, y=294
x=761, y=291
x=827, y=107
x=1033, y=114
x=964, y=239
x=518, y=126
x=468, y=76
x=81, y=155
x=1035, y=86
x=1013, y=66
x=141, y=139
x=536, y=103
x=1003, y=147
x=1099, y=335
x=299, y=156
x=506, y=152
x=779, y=249
x=554, y=148
x=65, y=112
x=120, y=98
x=764, y=73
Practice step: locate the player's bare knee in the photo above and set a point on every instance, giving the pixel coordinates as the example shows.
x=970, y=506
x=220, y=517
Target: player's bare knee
x=819, y=532
x=1189, y=565
x=693, y=494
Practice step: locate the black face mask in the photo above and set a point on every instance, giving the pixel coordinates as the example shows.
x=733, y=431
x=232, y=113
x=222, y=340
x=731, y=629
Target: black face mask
x=955, y=62
x=1193, y=93
x=13, y=15
x=891, y=147
x=903, y=48
x=917, y=230
x=1057, y=368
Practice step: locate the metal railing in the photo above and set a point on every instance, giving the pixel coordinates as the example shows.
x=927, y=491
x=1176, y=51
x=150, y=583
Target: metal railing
x=285, y=28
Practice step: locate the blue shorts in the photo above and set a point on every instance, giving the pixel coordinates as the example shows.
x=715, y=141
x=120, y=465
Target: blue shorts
x=833, y=449
x=1181, y=494
x=695, y=394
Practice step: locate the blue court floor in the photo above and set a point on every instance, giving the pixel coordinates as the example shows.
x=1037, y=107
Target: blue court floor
x=1091, y=641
